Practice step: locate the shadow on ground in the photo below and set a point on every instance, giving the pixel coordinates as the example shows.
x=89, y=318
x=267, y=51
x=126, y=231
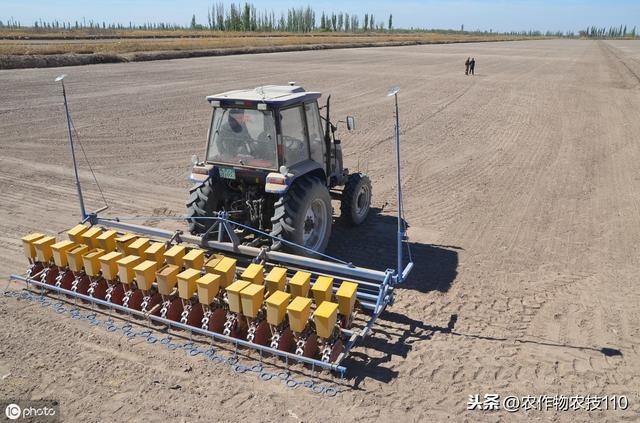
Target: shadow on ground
x=395, y=335
x=373, y=245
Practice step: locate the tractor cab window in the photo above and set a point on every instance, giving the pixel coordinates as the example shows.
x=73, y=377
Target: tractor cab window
x=294, y=135
x=316, y=140
x=244, y=137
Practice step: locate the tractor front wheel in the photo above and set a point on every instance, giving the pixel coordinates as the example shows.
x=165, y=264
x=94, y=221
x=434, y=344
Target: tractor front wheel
x=304, y=216
x=356, y=199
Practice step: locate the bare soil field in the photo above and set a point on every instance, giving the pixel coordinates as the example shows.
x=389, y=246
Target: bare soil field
x=522, y=192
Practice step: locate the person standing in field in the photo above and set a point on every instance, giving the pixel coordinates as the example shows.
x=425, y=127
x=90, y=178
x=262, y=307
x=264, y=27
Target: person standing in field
x=472, y=66
x=466, y=66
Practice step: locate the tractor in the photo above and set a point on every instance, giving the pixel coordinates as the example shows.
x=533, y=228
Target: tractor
x=273, y=163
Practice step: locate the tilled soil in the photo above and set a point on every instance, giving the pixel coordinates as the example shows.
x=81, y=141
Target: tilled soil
x=521, y=190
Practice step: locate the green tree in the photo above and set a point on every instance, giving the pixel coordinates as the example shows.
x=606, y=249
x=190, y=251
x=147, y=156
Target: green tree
x=391, y=22
x=282, y=23
x=246, y=18
x=254, y=18
x=309, y=19
x=193, y=22
x=355, y=23
x=220, y=16
x=366, y=22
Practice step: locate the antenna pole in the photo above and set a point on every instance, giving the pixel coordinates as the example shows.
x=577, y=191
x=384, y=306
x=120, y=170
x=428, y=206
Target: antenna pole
x=83, y=211
x=400, y=233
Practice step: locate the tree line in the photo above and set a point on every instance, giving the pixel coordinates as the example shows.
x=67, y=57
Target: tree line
x=41, y=25
x=239, y=17
x=245, y=17
x=611, y=32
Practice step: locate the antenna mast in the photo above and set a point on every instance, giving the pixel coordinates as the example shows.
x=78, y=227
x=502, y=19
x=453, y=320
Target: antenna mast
x=83, y=211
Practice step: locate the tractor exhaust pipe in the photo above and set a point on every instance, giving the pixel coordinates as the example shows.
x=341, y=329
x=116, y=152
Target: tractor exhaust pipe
x=327, y=139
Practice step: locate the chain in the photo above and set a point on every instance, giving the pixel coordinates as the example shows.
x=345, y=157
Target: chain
x=107, y=296
x=44, y=275
x=165, y=308
x=251, y=333
x=205, y=319
x=185, y=314
x=228, y=324
x=59, y=279
x=275, y=340
x=74, y=284
x=127, y=297
x=145, y=303
x=212, y=357
x=92, y=288
x=326, y=353
x=300, y=346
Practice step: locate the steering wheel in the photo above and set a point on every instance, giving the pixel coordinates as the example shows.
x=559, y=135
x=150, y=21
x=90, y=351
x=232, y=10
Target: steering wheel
x=263, y=138
x=291, y=143
x=235, y=146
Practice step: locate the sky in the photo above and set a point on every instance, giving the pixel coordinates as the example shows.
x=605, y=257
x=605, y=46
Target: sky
x=496, y=15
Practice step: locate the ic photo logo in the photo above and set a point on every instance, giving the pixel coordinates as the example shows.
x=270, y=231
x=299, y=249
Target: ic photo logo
x=13, y=411
x=32, y=410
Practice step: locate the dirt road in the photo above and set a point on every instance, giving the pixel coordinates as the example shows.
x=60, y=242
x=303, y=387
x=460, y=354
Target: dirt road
x=522, y=192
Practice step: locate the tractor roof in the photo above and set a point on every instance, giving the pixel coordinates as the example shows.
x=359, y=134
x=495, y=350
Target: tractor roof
x=273, y=95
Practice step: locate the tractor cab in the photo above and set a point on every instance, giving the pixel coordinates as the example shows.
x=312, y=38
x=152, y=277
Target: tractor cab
x=264, y=143
x=270, y=128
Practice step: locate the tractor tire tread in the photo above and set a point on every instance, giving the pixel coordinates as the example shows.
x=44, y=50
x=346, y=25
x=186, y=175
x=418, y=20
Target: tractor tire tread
x=201, y=203
x=287, y=208
x=346, y=205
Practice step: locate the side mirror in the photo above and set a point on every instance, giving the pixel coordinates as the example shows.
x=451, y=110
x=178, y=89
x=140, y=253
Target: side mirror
x=351, y=123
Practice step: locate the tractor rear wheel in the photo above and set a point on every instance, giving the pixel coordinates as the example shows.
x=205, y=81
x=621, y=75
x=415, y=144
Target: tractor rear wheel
x=356, y=198
x=304, y=216
x=204, y=199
